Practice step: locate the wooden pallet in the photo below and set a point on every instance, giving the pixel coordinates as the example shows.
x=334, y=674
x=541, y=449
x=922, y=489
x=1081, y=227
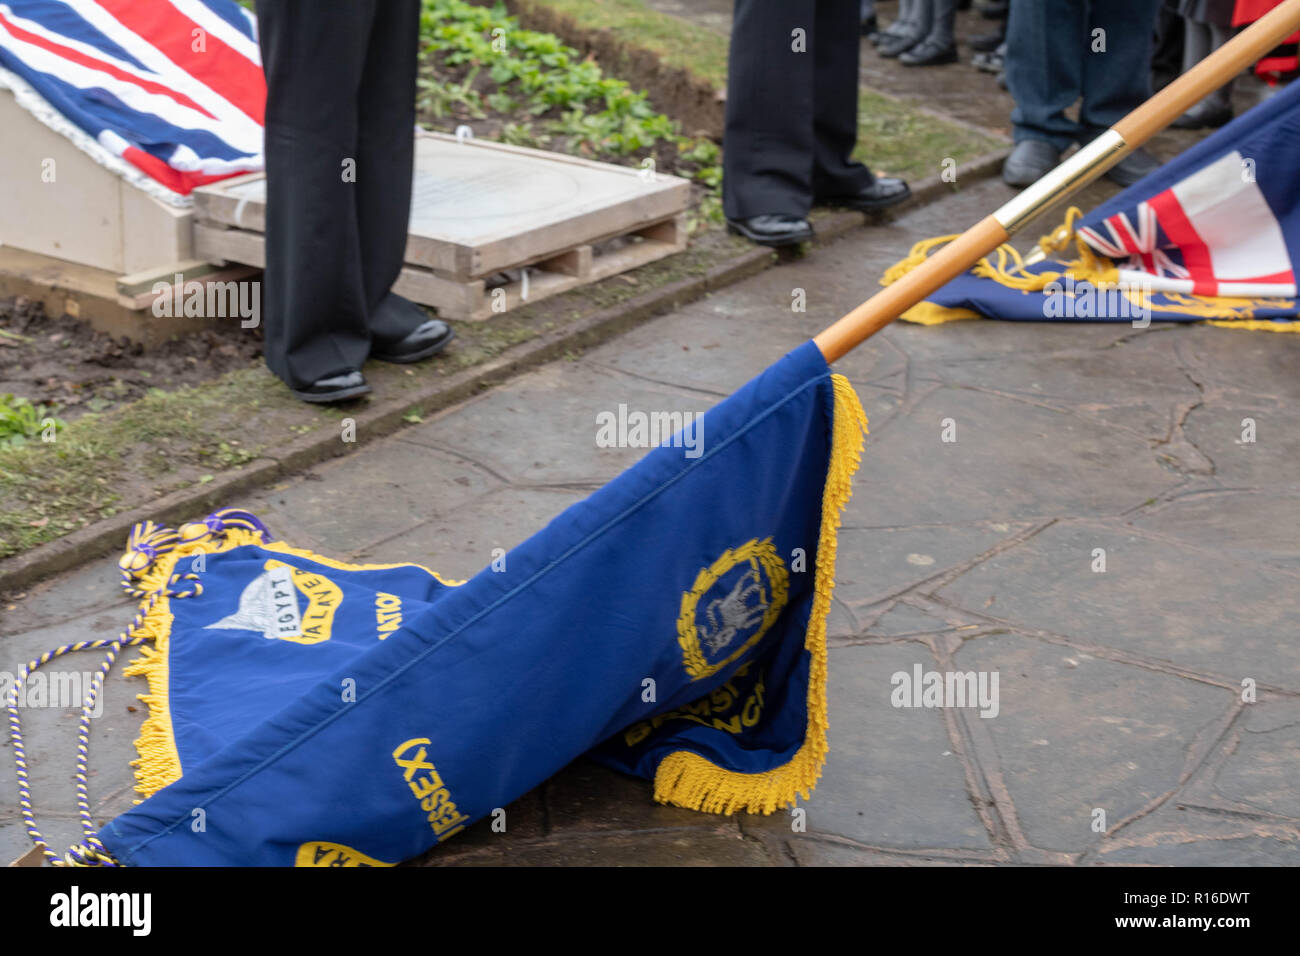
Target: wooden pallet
x=492, y=226
x=481, y=298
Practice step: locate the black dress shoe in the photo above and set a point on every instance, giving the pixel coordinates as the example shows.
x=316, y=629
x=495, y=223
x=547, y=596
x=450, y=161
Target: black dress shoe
x=1133, y=167
x=870, y=27
x=884, y=192
x=772, y=229
x=428, y=338
x=929, y=53
x=1204, y=116
x=892, y=46
x=335, y=388
x=1030, y=161
x=893, y=29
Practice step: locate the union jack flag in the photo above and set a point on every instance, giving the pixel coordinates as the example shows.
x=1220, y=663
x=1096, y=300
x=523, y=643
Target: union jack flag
x=172, y=87
x=1213, y=235
x=1223, y=219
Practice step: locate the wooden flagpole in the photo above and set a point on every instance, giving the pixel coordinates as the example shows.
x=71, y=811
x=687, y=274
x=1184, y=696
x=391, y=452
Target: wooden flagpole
x=1072, y=175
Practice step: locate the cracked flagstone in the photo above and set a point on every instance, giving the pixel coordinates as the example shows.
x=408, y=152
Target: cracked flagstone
x=1119, y=690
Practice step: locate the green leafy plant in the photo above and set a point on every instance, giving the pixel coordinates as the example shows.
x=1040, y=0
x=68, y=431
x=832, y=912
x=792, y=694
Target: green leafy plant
x=523, y=134
x=535, y=73
x=20, y=420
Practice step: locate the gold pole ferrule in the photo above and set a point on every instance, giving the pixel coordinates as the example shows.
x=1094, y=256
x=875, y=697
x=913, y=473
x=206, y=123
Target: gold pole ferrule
x=1066, y=179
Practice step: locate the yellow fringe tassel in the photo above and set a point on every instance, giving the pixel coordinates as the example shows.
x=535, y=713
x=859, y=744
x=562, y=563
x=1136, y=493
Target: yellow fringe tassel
x=927, y=313
x=1255, y=325
x=159, y=763
x=688, y=780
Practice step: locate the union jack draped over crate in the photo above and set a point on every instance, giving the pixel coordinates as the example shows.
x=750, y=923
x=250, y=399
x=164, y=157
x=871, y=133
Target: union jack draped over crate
x=168, y=92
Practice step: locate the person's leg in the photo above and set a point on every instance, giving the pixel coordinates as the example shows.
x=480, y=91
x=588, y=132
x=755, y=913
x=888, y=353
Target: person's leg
x=901, y=24
x=1220, y=99
x=835, y=103
x=911, y=31
x=837, y=178
x=945, y=19
x=939, y=45
x=988, y=42
x=314, y=309
x=868, y=25
x=1046, y=44
x=923, y=16
x=1216, y=109
x=1196, y=42
x=1117, y=80
x=768, y=143
x=1167, y=45
x=385, y=161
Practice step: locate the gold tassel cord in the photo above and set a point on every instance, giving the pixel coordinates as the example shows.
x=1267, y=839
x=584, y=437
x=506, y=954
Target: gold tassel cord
x=686, y=779
x=91, y=851
x=148, y=572
x=1007, y=267
x=152, y=571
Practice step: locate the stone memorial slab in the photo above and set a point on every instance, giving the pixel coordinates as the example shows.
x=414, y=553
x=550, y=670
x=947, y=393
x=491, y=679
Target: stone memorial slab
x=480, y=208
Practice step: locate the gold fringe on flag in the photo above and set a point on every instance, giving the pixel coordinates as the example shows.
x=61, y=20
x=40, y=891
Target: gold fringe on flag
x=1006, y=267
x=686, y=779
x=159, y=763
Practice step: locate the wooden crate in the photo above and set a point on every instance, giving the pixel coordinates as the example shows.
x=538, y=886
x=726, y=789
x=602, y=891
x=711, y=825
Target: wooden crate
x=87, y=215
x=492, y=226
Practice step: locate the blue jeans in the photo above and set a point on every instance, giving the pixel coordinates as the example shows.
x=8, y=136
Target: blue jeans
x=1051, y=64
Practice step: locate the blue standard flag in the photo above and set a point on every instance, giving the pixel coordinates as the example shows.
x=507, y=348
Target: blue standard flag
x=672, y=625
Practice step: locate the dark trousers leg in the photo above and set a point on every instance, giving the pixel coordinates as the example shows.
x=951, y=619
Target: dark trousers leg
x=1119, y=80
x=1046, y=43
x=385, y=160
x=835, y=102
x=791, y=114
x=325, y=257
x=767, y=146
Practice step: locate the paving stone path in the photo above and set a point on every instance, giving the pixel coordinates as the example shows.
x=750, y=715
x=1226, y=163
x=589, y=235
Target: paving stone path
x=1120, y=692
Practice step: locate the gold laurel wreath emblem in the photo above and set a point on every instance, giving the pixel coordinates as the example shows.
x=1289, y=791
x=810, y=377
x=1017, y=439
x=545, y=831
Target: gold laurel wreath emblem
x=759, y=554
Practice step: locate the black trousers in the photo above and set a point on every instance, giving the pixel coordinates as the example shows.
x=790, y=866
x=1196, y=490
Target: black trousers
x=792, y=116
x=340, y=121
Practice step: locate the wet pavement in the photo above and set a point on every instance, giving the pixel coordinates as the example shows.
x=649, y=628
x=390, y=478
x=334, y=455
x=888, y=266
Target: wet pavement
x=1121, y=733
x=1148, y=712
